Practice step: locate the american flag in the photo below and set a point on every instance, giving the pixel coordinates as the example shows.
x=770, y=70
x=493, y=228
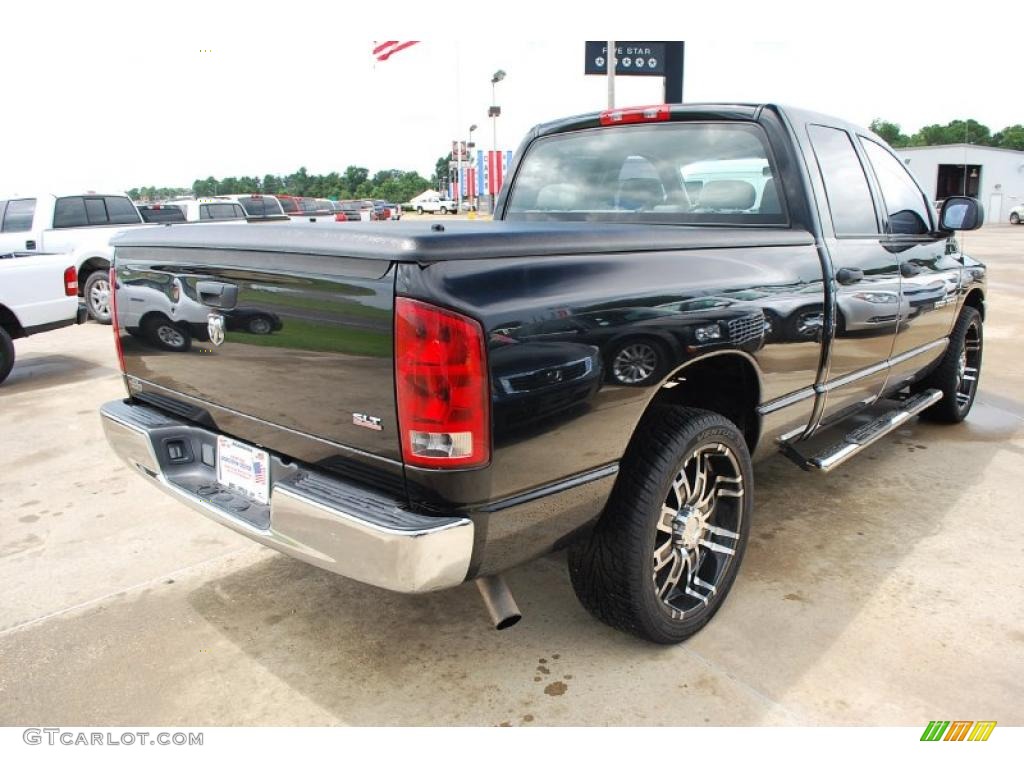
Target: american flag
x=385, y=49
x=259, y=471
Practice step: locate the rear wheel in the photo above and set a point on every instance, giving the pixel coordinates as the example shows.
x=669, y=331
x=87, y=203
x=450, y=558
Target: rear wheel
x=419, y=209
x=167, y=334
x=665, y=553
x=958, y=373
x=260, y=325
x=97, y=296
x=1014, y=218
x=6, y=354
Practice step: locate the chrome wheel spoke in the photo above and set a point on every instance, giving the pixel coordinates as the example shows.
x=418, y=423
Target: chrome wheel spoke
x=664, y=554
x=665, y=519
x=715, y=547
x=675, y=573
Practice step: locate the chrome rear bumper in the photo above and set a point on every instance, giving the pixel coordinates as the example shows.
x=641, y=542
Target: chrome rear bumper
x=312, y=516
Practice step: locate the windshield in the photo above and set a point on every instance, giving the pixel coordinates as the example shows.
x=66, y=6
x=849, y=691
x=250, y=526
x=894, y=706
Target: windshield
x=670, y=173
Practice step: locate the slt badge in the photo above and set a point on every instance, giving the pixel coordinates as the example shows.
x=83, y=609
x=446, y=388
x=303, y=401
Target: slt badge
x=215, y=327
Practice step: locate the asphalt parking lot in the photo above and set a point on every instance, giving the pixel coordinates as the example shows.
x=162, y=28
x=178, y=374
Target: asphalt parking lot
x=888, y=592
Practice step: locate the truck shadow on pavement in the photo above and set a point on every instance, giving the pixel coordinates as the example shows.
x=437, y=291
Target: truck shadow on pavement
x=827, y=619
x=40, y=371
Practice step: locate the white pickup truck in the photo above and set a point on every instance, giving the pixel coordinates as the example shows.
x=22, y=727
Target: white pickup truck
x=440, y=205
x=38, y=292
x=81, y=224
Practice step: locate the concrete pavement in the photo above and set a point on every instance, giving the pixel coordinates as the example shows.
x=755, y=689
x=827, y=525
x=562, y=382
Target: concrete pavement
x=888, y=592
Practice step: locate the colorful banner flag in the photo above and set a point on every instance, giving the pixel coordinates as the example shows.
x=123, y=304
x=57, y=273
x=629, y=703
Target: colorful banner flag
x=385, y=49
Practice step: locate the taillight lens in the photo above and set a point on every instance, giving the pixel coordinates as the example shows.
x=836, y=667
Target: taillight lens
x=70, y=281
x=441, y=385
x=655, y=113
x=113, y=318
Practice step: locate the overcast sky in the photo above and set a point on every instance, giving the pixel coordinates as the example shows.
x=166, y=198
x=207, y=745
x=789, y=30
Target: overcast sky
x=164, y=93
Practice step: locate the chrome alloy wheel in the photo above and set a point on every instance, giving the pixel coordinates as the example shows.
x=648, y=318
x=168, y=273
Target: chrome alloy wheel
x=170, y=336
x=635, y=363
x=698, y=530
x=99, y=297
x=967, y=368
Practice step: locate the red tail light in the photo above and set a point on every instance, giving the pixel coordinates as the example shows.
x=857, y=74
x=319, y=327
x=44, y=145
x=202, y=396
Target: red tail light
x=113, y=318
x=441, y=384
x=655, y=113
x=70, y=281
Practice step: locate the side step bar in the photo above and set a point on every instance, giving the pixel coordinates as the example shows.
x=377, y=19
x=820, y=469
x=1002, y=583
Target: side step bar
x=860, y=438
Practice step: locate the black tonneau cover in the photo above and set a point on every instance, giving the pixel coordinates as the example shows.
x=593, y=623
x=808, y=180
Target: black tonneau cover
x=429, y=242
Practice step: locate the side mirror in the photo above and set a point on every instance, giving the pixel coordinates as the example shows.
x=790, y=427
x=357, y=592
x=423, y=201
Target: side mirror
x=959, y=213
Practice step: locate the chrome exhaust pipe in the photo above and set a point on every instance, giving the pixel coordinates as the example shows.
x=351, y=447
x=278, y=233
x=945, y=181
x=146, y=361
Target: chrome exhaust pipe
x=499, y=601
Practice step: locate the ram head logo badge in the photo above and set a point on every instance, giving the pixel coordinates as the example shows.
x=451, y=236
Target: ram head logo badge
x=215, y=327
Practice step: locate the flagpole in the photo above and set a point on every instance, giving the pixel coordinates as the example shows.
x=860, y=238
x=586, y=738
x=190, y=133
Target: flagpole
x=610, y=54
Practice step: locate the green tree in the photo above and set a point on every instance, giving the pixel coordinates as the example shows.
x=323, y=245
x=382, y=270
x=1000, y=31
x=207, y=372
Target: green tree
x=1011, y=137
x=890, y=132
x=955, y=132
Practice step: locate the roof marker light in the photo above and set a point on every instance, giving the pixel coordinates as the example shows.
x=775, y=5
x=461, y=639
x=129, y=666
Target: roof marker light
x=654, y=113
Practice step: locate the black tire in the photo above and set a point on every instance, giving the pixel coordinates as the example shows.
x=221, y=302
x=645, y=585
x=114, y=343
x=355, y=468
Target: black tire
x=96, y=293
x=958, y=390
x=444, y=211
x=649, y=362
x=1014, y=218
x=166, y=334
x=6, y=354
x=419, y=209
x=260, y=325
x=613, y=570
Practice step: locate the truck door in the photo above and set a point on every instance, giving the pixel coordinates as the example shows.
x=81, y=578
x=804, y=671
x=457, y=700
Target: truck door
x=928, y=263
x=866, y=280
x=16, y=226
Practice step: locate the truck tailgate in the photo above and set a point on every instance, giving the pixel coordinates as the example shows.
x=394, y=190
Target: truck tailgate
x=289, y=351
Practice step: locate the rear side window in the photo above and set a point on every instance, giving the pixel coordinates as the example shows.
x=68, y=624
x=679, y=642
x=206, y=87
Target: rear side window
x=121, y=210
x=906, y=210
x=221, y=211
x=669, y=173
x=288, y=204
x=18, y=215
x=849, y=196
x=69, y=212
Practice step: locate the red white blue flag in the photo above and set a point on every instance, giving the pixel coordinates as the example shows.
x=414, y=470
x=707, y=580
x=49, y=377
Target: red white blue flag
x=385, y=49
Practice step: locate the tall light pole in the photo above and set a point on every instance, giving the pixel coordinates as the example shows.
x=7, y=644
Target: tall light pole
x=493, y=113
x=469, y=158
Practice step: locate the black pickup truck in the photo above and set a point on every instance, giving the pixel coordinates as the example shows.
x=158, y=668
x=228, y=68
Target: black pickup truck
x=666, y=294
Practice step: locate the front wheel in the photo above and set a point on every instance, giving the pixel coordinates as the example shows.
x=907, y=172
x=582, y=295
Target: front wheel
x=419, y=209
x=6, y=354
x=97, y=296
x=958, y=373
x=1014, y=218
x=665, y=553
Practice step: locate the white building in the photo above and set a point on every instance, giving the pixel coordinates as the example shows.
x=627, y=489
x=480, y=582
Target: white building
x=992, y=175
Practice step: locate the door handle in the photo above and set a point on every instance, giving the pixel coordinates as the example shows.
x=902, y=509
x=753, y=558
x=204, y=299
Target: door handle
x=215, y=294
x=909, y=270
x=849, y=276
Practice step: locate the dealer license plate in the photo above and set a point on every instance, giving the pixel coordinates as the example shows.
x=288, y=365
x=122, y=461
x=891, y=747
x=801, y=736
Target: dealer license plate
x=243, y=468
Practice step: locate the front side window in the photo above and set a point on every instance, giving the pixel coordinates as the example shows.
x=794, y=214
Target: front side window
x=18, y=215
x=846, y=186
x=905, y=205
x=670, y=173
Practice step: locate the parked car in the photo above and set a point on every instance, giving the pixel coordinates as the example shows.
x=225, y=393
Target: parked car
x=440, y=205
x=1017, y=214
x=348, y=210
x=78, y=223
x=306, y=209
x=385, y=446
x=161, y=213
x=203, y=209
x=38, y=292
x=259, y=207
x=394, y=210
